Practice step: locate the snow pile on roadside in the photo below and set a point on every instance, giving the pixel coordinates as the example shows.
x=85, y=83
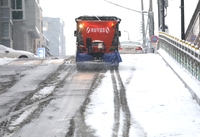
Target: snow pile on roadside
x=4, y=61
x=21, y=118
x=46, y=91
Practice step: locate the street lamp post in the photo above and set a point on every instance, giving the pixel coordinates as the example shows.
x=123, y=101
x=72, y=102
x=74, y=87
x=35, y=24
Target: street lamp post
x=128, y=34
x=143, y=27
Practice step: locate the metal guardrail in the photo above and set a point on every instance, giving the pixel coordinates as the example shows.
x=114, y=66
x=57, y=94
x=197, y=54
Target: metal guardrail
x=185, y=53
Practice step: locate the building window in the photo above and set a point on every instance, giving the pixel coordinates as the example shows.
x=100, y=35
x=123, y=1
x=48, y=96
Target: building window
x=17, y=8
x=17, y=15
x=4, y=2
x=5, y=29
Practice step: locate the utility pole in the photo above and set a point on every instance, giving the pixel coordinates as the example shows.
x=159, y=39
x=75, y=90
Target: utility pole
x=0, y=25
x=159, y=13
x=163, y=15
x=182, y=21
x=143, y=27
x=151, y=21
x=162, y=5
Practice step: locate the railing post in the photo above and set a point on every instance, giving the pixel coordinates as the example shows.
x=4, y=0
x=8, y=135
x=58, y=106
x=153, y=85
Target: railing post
x=195, y=68
x=182, y=59
x=192, y=66
x=198, y=71
x=179, y=57
x=173, y=52
x=185, y=61
x=176, y=54
x=188, y=63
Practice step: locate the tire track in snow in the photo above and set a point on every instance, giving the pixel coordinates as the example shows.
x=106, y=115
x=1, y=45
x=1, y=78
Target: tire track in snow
x=120, y=103
x=116, y=105
x=124, y=105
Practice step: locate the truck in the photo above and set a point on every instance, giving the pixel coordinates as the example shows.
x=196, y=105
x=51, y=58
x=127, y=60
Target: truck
x=97, y=42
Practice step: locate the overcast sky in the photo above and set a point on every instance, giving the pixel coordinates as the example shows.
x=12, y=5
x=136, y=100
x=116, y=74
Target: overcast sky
x=69, y=11
x=131, y=21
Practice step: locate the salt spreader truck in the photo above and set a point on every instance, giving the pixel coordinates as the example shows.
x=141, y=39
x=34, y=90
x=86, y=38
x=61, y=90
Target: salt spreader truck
x=97, y=41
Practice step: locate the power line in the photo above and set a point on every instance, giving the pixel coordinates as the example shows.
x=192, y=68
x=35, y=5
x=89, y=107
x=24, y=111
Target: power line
x=123, y=7
x=141, y=12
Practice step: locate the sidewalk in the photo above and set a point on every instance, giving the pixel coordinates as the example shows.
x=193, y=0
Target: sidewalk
x=190, y=82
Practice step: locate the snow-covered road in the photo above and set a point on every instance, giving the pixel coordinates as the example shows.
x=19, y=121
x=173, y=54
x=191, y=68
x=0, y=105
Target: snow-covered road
x=159, y=103
x=143, y=98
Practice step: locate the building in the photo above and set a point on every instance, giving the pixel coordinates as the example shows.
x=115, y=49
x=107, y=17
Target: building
x=193, y=31
x=27, y=25
x=46, y=46
x=21, y=24
x=53, y=30
x=6, y=34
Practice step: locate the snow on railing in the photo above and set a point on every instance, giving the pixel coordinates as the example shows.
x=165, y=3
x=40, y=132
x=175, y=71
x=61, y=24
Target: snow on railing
x=185, y=53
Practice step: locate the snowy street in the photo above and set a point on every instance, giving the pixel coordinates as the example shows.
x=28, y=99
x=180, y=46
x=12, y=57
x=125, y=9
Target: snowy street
x=159, y=103
x=49, y=97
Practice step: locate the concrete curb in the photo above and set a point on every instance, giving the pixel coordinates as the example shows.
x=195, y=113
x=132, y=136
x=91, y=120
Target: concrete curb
x=193, y=87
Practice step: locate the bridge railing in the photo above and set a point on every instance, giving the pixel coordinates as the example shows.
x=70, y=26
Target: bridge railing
x=185, y=53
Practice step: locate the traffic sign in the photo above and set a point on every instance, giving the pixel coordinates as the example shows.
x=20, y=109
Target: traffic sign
x=154, y=39
x=41, y=52
x=192, y=38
